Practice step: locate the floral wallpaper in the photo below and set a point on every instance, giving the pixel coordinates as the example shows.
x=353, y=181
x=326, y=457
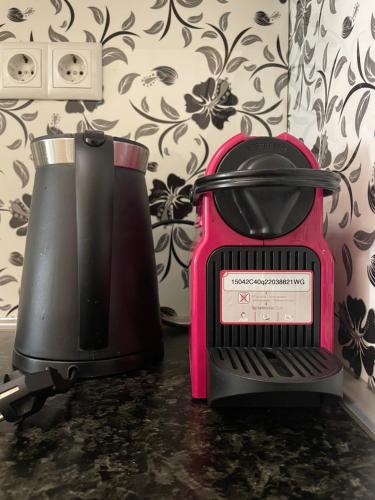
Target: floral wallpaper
x=181, y=76
x=331, y=98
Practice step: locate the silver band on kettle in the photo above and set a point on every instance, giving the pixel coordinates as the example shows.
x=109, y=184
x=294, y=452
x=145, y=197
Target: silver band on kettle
x=60, y=150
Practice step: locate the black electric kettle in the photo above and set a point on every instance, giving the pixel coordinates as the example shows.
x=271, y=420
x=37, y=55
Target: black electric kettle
x=89, y=301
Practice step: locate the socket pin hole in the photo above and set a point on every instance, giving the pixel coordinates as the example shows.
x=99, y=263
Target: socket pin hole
x=21, y=67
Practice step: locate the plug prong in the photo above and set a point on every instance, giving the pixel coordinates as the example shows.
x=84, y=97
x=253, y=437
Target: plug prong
x=9, y=392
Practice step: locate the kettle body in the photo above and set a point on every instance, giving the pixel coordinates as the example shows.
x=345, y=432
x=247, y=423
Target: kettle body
x=89, y=301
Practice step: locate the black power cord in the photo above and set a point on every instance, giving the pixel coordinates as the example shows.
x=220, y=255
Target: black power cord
x=168, y=316
x=22, y=394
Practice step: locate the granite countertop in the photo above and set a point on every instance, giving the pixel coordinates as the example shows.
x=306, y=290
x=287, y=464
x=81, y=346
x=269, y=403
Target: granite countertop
x=141, y=437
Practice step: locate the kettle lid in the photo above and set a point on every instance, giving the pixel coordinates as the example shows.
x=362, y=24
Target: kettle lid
x=60, y=150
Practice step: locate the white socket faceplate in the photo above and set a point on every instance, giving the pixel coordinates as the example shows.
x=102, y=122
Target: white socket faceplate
x=12, y=61
x=60, y=70
x=67, y=61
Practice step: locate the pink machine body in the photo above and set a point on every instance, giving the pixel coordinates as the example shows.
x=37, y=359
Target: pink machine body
x=214, y=233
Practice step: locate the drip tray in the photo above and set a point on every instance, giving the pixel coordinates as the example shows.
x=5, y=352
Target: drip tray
x=244, y=376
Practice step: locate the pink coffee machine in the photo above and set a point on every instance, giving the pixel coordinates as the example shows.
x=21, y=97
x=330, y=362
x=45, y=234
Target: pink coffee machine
x=262, y=278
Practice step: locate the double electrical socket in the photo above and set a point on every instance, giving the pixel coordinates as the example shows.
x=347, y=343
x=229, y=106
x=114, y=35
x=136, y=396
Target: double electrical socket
x=56, y=70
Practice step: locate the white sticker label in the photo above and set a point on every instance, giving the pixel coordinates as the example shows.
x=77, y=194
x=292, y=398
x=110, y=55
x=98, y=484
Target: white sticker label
x=266, y=297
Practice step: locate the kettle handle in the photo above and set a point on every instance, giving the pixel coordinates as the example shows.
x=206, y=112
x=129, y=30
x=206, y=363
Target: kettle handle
x=94, y=180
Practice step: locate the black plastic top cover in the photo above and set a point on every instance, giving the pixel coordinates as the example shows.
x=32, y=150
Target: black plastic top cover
x=258, y=191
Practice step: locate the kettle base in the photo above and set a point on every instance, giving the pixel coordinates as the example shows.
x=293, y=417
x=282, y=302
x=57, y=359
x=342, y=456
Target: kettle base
x=91, y=368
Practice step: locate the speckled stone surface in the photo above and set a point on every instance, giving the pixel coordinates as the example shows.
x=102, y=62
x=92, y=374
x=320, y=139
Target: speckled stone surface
x=141, y=437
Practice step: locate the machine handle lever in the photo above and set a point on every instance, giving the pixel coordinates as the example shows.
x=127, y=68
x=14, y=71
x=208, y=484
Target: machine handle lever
x=23, y=394
x=302, y=178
